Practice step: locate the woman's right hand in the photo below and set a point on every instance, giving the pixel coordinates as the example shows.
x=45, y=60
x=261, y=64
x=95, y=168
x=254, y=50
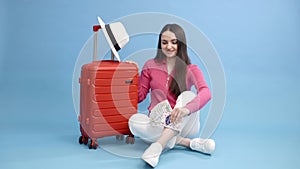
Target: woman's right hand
x=178, y=113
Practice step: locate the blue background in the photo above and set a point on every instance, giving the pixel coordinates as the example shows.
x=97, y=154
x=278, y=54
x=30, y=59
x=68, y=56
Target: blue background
x=258, y=43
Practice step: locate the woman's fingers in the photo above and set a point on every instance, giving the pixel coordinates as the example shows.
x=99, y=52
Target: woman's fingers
x=178, y=113
x=175, y=115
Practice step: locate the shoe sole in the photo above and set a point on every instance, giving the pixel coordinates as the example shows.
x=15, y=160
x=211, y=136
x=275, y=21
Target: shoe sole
x=150, y=162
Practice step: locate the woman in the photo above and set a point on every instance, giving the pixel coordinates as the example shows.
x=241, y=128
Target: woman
x=170, y=76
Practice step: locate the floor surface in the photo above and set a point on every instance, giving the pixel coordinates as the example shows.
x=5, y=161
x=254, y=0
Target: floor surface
x=39, y=134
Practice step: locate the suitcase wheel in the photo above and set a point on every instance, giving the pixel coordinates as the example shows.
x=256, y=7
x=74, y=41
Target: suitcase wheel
x=83, y=140
x=120, y=137
x=93, y=144
x=130, y=139
x=80, y=140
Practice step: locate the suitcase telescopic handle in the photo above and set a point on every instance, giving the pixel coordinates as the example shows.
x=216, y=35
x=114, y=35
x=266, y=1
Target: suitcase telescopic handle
x=95, y=29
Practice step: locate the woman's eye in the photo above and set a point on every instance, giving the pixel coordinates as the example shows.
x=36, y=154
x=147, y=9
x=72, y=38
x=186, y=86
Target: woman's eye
x=174, y=42
x=164, y=42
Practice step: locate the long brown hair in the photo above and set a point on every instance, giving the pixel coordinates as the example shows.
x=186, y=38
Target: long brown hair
x=178, y=84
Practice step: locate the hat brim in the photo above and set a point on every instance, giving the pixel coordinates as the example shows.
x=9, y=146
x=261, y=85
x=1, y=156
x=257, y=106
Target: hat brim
x=102, y=24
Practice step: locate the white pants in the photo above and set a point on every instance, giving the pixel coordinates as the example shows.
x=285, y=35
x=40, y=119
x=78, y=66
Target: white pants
x=140, y=126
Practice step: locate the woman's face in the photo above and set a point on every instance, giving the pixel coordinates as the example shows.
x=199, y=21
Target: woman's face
x=169, y=44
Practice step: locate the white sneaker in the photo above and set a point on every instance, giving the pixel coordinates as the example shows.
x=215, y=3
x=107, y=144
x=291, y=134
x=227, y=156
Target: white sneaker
x=203, y=145
x=152, y=153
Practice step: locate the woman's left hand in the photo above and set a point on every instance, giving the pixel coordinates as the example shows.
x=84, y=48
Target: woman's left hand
x=178, y=113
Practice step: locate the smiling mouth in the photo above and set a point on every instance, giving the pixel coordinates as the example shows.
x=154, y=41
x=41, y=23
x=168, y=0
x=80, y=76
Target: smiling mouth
x=170, y=51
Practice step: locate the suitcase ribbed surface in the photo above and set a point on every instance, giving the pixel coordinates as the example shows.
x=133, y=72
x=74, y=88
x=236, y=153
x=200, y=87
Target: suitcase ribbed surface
x=108, y=97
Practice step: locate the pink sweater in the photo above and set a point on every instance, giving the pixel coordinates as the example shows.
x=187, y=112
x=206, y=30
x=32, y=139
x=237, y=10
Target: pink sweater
x=154, y=78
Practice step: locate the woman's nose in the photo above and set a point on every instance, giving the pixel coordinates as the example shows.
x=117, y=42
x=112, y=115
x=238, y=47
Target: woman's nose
x=169, y=46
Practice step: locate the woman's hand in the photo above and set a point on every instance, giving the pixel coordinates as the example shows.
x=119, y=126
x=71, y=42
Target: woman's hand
x=178, y=113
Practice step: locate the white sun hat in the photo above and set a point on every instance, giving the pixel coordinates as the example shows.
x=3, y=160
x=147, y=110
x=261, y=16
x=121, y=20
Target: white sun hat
x=115, y=34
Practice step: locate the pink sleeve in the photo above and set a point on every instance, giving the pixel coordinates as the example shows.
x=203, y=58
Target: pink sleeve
x=144, y=83
x=195, y=77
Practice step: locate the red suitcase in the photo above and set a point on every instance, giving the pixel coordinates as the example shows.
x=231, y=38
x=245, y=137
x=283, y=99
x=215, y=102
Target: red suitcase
x=108, y=98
